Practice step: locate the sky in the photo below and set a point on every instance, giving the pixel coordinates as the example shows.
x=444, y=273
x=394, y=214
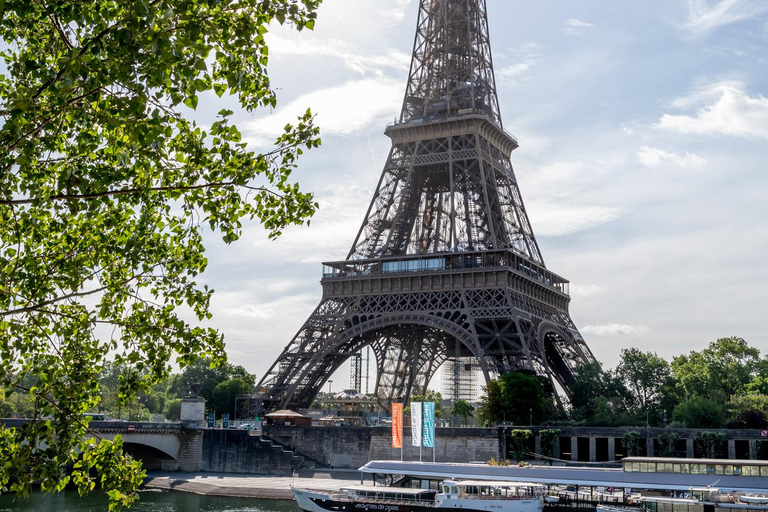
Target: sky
x=643, y=130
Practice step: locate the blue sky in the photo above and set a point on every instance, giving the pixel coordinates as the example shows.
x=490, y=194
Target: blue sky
x=643, y=130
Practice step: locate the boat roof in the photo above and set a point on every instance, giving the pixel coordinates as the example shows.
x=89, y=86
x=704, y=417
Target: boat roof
x=675, y=460
x=559, y=475
x=382, y=488
x=492, y=483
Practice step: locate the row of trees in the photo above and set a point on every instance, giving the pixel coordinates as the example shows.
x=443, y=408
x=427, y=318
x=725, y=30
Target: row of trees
x=220, y=386
x=724, y=385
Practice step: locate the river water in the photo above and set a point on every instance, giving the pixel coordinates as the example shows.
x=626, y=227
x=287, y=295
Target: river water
x=149, y=501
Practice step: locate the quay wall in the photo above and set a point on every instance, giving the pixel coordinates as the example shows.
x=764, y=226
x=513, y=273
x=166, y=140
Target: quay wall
x=451, y=445
x=236, y=451
x=341, y=447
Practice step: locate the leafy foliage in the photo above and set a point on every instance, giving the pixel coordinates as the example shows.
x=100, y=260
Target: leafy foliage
x=712, y=445
x=463, y=410
x=520, y=397
x=105, y=190
x=645, y=374
x=631, y=442
x=519, y=439
x=667, y=443
x=720, y=371
x=700, y=412
x=431, y=396
x=550, y=442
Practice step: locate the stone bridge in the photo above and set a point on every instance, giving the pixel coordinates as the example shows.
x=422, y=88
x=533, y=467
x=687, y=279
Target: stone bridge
x=190, y=447
x=160, y=446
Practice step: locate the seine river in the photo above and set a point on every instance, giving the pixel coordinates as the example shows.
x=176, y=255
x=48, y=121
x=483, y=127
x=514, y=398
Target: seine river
x=149, y=501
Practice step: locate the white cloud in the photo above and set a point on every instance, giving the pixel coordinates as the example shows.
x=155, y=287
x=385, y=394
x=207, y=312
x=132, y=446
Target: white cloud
x=342, y=110
x=703, y=19
x=509, y=75
x=550, y=219
x=575, y=27
x=734, y=113
x=397, y=12
x=654, y=157
x=613, y=329
x=288, y=46
x=582, y=291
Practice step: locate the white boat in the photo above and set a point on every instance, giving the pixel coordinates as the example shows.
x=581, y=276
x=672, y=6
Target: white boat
x=757, y=499
x=707, y=500
x=467, y=495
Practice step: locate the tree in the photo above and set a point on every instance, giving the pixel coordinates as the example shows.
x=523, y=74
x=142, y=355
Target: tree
x=713, y=445
x=524, y=397
x=644, y=374
x=206, y=375
x=598, y=397
x=463, y=410
x=225, y=393
x=491, y=409
x=631, y=442
x=105, y=190
x=550, y=442
x=431, y=396
x=700, y=412
x=518, y=443
x=718, y=372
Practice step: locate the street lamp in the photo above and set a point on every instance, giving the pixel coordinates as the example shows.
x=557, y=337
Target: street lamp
x=329, y=388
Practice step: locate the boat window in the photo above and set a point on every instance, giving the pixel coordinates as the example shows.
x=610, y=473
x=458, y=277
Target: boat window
x=698, y=469
x=710, y=470
x=763, y=470
x=719, y=469
x=682, y=468
x=664, y=467
x=750, y=470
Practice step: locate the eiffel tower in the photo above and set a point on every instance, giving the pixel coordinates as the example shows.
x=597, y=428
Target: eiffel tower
x=445, y=265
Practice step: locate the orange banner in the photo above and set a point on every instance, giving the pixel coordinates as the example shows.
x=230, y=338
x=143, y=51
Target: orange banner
x=397, y=425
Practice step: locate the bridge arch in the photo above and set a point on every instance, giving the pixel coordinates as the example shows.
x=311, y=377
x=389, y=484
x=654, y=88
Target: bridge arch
x=152, y=458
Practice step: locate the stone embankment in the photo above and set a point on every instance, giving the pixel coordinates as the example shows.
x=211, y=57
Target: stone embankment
x=250, y=486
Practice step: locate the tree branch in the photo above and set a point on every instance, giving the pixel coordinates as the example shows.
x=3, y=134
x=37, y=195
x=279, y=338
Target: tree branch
x=132, y=191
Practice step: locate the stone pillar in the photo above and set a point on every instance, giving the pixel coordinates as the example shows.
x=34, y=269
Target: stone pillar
x=191, y=451
x=649, y=445
x=689, y=452
x=753, y=449
x=503, y=443
x=731, y=449
x=193, y=412
x=592, y=449
x=611, y=448
x=574, y=448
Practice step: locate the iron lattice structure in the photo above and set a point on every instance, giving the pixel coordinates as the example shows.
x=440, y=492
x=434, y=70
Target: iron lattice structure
x=445, y=265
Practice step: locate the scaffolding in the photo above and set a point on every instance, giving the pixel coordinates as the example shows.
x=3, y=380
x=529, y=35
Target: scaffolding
x=356, y=373
x=461, y=379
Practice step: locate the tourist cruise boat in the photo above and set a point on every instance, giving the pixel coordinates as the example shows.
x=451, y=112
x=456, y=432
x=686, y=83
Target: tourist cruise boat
x=467, y=495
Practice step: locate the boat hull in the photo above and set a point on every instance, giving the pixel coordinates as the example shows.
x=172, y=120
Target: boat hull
x=315, y=501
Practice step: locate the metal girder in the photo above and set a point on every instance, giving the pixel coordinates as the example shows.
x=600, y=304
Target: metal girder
x=446, y=260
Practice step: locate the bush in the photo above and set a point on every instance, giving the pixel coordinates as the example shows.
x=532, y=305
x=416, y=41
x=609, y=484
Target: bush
x=712, y=445
x=172, y=409
x=700, y=412
x=550, y=442
x=631, y=442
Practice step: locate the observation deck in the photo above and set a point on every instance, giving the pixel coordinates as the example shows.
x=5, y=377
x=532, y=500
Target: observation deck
x=445, y=271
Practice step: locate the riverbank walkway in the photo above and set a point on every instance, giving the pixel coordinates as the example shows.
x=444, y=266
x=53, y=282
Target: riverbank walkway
x=251, y=486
